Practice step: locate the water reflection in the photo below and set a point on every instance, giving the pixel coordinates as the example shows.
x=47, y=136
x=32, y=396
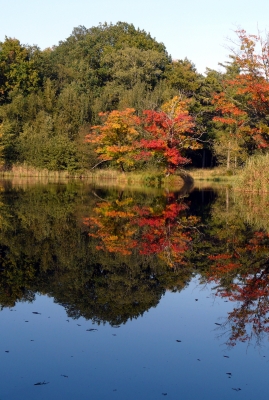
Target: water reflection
x=152, y=226
x=47, y=247
x=239, y=264
x=111, y=255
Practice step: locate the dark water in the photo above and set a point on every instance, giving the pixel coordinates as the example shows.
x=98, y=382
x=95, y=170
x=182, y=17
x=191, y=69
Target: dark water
x=133, y=295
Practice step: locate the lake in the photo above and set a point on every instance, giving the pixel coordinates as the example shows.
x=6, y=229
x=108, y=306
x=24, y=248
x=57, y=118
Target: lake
x=120, y=293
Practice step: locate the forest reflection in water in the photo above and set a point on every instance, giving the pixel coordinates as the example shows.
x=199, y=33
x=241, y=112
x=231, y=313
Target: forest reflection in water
x=110, y=255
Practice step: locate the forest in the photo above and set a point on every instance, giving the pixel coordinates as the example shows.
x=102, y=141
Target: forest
x=112, y=97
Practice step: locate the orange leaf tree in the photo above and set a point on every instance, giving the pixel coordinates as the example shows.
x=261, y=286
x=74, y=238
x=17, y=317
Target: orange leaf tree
x=115, y=139
x=157, y=136
x=243, y=106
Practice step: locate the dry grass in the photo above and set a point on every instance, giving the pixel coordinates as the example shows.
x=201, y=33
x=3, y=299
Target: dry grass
x=27, y=171
x=255, y=175
x=216, y=174
x=105, y=177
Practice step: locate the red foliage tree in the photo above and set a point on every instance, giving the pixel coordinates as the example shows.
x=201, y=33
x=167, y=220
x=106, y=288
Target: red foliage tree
x=169, y=133
x=162, y=135
x=243, y=105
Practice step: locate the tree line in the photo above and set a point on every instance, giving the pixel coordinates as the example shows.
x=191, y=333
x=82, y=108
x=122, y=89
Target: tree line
x=51, y=99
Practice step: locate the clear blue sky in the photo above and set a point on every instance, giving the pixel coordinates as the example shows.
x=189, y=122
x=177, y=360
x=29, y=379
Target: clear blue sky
x=196, y=29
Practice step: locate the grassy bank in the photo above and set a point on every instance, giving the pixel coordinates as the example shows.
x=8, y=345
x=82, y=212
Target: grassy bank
x=107, y=177
x=217, y=174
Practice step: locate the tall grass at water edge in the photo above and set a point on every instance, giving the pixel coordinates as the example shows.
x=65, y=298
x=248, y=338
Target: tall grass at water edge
x=107, y=176
x=216, y=174
x=254, y=177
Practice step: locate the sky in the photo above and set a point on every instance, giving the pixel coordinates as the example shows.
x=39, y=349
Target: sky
x=197, y=29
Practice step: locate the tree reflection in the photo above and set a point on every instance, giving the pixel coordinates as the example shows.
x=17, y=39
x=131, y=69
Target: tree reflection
x=110, y=255
x=240, y=268
x=45, y=248
x=161, y=228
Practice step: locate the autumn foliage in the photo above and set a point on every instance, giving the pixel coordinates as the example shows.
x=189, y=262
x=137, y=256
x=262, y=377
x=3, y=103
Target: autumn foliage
x=116, y=138
x=125, y=138
x=122, y=226
x=243, y=105
x=242, y=276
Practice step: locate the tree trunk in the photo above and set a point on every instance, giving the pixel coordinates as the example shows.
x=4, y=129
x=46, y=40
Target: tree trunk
x=228, y=155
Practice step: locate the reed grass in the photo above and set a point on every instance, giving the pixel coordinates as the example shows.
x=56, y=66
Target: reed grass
x=151, y=178
x=217, y=174
x=28, y=171
x=255, y=175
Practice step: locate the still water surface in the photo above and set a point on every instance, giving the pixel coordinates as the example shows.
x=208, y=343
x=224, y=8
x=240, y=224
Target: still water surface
x=132, y=295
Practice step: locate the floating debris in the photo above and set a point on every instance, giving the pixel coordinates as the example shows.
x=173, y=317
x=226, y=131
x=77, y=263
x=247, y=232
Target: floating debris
x=237, y=389
x=179, y=341
x=65, y=376
x=37, y=313
x=91, y=330
x=40, y=383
